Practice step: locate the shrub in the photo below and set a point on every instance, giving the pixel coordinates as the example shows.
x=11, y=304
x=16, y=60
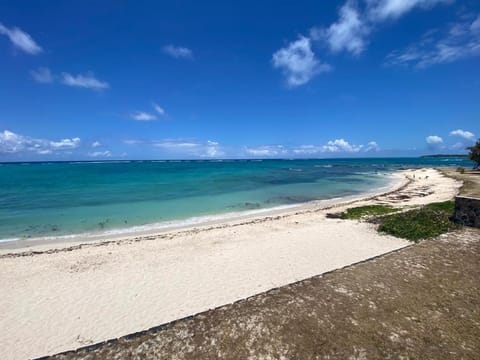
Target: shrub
x=426, y=222
x=366, y=211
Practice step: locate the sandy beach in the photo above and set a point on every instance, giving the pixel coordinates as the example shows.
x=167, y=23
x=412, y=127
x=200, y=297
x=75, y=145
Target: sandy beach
x=58, y=296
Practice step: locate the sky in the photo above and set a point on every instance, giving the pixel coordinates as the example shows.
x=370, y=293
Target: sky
x=96, y=80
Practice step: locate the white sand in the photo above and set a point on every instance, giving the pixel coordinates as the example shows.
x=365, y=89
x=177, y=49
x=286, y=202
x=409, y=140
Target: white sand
x=52, y=302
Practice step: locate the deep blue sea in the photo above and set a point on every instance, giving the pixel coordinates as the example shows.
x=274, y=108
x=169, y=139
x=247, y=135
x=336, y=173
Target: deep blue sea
x=63, y=198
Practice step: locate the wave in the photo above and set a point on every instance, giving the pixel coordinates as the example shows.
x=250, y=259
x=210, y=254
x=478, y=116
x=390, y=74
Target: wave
x=157, y=226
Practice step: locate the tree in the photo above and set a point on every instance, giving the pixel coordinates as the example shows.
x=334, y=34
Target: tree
x=474, y=154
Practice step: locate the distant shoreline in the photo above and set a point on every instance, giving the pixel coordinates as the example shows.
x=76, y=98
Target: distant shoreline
x=228, y=159
x=445, y=156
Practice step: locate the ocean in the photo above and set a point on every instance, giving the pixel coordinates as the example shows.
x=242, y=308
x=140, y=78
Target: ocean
x=51, y=199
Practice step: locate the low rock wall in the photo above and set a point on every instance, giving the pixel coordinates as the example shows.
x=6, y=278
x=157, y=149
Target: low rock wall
x=467, y=211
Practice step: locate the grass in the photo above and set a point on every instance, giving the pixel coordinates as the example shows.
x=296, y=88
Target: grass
x=424, y=223
x=366, y=211
x=446, y=206
x=427, y=222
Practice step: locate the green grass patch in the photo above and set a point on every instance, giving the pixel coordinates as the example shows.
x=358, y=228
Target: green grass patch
x=366, y=211
x=447, y=206
x=424, y=223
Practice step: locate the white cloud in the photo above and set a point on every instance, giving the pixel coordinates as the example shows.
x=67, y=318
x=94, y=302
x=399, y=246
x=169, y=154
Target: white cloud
x=458, y=146
x=103, y=154
x=142, y=116
x=433, y=140
x=87, y=81
x=11, y=143
x=212, y=149
x=96, y=144
x=21, y=40
x=42, y=75
x=372, y=146
x=66, y=143
x=178, y=52
x=266, y=151
x=298, y=62
x=176, y=144
x=158, y=109
x=461, y=40
x=380, y=10
x=183, y=148
x=332, y=146
x=307, y=150
x=348, y=33
x=209, y=149
x=475, y=26
x=463, y=133
x=341, y=145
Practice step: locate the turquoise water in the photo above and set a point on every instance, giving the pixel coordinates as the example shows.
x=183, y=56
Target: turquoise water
x=62, y=198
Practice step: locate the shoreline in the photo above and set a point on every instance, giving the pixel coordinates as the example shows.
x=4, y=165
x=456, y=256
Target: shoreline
x=59, y=297
x=397, y=181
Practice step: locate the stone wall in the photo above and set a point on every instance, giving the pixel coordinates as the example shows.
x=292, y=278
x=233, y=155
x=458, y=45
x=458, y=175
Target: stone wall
x=467, y=211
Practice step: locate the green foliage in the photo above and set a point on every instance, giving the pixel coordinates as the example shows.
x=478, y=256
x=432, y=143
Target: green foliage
x=366, y=211
x=424, y=223
x=446, y=206
x=474, y=153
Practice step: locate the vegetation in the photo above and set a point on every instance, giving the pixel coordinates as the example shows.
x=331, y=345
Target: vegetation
x=366, y=211
x=445, y=156
x=461, y=170
x=445, y=206
x=426, y=222
x=474, y=154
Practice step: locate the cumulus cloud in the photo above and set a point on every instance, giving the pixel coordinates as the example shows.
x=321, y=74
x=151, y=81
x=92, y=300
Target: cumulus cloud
x=372, y=146
x=103, y=154
x=21, y=40
x=42, y=75
x=96, y=144
x=298, y=62
x=87, y=81
x=463, y=133
x=65, y=143
x=434, y=140
x=178, y=52
x=348, y=33
x=460, y=40
x=11, y=143
x=341, y=145
x=333, y=146
x=355, y=23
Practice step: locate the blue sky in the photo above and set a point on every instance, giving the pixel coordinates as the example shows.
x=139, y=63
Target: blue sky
x=227, y=79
